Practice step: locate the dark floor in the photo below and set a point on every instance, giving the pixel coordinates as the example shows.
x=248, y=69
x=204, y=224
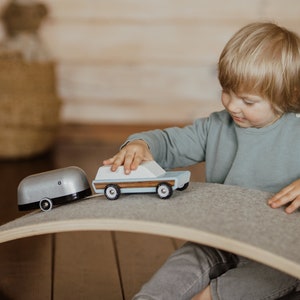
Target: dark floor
x=76, y=265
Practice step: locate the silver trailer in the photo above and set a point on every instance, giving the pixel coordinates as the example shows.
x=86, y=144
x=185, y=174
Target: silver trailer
x=60, y=186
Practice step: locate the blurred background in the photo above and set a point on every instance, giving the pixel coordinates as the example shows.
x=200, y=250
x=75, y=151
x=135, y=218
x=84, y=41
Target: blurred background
x=142, y=61
x=76, y=78
x=121, y=62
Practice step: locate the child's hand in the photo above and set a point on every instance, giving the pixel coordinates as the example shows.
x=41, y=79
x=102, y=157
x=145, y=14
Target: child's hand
x=130, y=156
x=290, y=194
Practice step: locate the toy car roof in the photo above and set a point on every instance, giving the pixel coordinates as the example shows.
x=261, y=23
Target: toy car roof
x=147, y=169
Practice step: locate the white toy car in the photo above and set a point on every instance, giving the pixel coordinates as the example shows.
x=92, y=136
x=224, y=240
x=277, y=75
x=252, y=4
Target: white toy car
x=149, y=177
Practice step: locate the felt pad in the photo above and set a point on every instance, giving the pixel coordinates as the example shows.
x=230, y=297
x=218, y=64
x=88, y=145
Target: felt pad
x=226, y=217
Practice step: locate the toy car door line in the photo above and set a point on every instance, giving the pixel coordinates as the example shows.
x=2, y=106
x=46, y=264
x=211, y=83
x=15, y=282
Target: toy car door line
x=44, y=190
x=149, y=177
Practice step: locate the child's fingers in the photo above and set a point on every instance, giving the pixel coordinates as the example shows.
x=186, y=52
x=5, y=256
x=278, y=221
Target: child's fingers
x=293, y=206
x=108, y=161
x=115, y=161
x=138, y=159
x=285, y=196
x=135, y=153
x=130, y=156
x=280, y=201
x=124, y=157
x=279, y=198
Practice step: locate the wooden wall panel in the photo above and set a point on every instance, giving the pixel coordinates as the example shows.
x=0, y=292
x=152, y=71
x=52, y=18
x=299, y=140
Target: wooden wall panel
x=174, y=113
x=138, y=10
x=137, y=43
x=117, y=59
x=283, y=11
x=125, y=92
x=116, y=83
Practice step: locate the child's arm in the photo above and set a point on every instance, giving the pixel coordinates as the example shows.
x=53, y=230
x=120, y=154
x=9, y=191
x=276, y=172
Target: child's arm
x=131, y=155
x=290, y=194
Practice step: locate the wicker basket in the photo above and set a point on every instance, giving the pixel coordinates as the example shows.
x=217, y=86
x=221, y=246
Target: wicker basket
x=29, y=108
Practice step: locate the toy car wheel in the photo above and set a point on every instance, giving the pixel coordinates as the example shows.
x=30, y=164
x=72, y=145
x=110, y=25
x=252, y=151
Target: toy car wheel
x=112, y=192
x=184, y=187
x=164, y=190
x=46, y=204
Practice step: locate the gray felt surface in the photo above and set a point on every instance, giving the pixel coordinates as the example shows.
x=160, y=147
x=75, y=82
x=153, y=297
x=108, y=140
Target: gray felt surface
x=228, y=217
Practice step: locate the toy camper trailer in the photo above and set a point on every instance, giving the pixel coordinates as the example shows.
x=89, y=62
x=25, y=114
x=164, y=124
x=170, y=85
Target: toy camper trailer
x=60, y=186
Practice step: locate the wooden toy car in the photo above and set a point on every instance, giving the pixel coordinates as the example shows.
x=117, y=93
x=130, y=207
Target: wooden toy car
x=148, y=178
x=43, y=190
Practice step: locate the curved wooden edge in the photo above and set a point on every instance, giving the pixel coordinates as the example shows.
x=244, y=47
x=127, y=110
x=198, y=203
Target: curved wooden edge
x=168, y=230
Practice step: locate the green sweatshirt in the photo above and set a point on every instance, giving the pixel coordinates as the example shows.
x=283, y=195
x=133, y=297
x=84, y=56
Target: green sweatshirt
x=265, y=158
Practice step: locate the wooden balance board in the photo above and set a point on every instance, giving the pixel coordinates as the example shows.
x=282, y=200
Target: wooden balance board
x=226, y=217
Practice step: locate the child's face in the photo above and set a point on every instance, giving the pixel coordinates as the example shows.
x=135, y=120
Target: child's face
x=248, y=110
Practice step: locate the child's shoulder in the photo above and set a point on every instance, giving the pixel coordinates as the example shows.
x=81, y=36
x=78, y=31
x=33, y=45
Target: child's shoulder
x=293, y=117
x=221, y=117
x=216, y=117
x=292, y=121
x=215, y=120
x=289, y=124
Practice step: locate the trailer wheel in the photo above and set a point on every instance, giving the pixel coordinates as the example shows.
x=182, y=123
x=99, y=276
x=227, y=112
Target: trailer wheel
x=112, y=192
x=184, y=187
x=164, y=190
x=46, y=204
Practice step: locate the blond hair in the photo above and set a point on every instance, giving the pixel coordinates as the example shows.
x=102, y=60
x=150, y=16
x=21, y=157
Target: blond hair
x=263, y=58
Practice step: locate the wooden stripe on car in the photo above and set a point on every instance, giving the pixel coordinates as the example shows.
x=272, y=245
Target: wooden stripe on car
x=136, y=184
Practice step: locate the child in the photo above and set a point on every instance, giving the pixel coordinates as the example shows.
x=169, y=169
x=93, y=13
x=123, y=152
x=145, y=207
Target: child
x=254, y=143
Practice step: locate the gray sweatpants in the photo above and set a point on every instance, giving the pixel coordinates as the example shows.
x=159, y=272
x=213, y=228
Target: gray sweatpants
x=193, y=267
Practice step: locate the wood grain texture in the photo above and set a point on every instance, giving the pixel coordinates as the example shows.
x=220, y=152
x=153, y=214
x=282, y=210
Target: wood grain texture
x=86, y=267
x=26, y=269
x=32, y=263
x=140, y=254
x=154, y=10
x=138, y=184
x=117, y=43
x=118, y=59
